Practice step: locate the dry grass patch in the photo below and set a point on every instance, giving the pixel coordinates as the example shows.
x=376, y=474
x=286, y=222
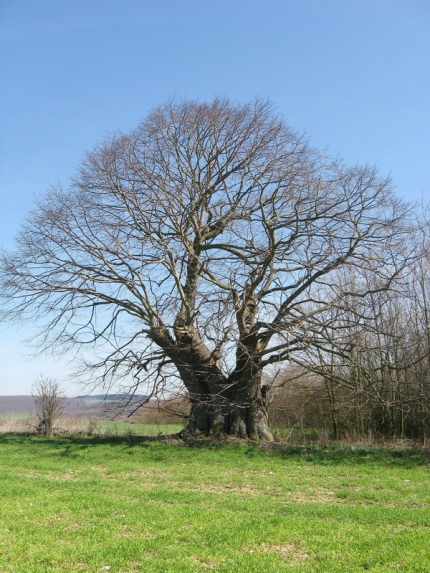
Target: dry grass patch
x=220, y=488
x=148, y=473
x=290, y=551
x=209, y=564
x=17, y=424
x=67, y=476
x=315, y=497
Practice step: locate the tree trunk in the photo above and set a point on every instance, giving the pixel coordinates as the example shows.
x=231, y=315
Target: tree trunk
x=239, y=411
x=249, y=421
x=231, y=406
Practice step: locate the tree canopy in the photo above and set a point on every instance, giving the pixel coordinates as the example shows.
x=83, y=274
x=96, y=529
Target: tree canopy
x=204, y=247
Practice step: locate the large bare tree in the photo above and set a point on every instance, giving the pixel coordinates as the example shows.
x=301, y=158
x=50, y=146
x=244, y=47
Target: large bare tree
x=201, y=247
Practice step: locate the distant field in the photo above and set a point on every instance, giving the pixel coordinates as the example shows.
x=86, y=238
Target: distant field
x=84, y=414
x=120, y=428
x=19, y=423
x=125, y=506
x=16, y=404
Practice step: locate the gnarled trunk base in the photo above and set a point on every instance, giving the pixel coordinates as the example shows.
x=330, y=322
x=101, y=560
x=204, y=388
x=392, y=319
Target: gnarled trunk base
x=247, y=421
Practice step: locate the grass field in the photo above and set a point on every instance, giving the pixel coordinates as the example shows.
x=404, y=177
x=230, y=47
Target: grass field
x=96, y=504
x=111, y=427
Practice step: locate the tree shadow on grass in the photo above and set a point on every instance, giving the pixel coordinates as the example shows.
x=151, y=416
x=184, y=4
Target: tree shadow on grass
x=333, y=454
x=352, y=454
x=72, y=443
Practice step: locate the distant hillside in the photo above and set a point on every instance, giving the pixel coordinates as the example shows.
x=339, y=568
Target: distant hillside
x=94, y=405
x=114, y=398
x=16, y=405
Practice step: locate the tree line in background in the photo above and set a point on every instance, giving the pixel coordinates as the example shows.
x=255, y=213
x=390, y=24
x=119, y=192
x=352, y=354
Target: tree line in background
x=375, y=380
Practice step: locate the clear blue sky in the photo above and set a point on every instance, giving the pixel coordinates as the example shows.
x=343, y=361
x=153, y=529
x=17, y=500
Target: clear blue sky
x=353, y=74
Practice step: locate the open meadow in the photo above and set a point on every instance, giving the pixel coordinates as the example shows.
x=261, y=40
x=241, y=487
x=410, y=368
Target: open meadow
x=120, y=504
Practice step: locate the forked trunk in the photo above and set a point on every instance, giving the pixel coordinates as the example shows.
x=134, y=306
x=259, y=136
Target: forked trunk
x=233, y=406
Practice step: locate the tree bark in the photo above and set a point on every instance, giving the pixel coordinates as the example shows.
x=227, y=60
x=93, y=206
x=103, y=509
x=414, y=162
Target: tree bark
x=239, y=410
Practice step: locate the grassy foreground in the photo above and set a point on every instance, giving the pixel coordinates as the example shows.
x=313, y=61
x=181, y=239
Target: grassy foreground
x=114, y=504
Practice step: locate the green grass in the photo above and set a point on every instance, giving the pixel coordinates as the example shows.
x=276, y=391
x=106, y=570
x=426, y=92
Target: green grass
x=118, y=428
x=89, y=504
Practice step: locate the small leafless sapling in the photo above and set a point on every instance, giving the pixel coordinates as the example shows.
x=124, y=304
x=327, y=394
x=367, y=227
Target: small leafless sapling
x=49, y=401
